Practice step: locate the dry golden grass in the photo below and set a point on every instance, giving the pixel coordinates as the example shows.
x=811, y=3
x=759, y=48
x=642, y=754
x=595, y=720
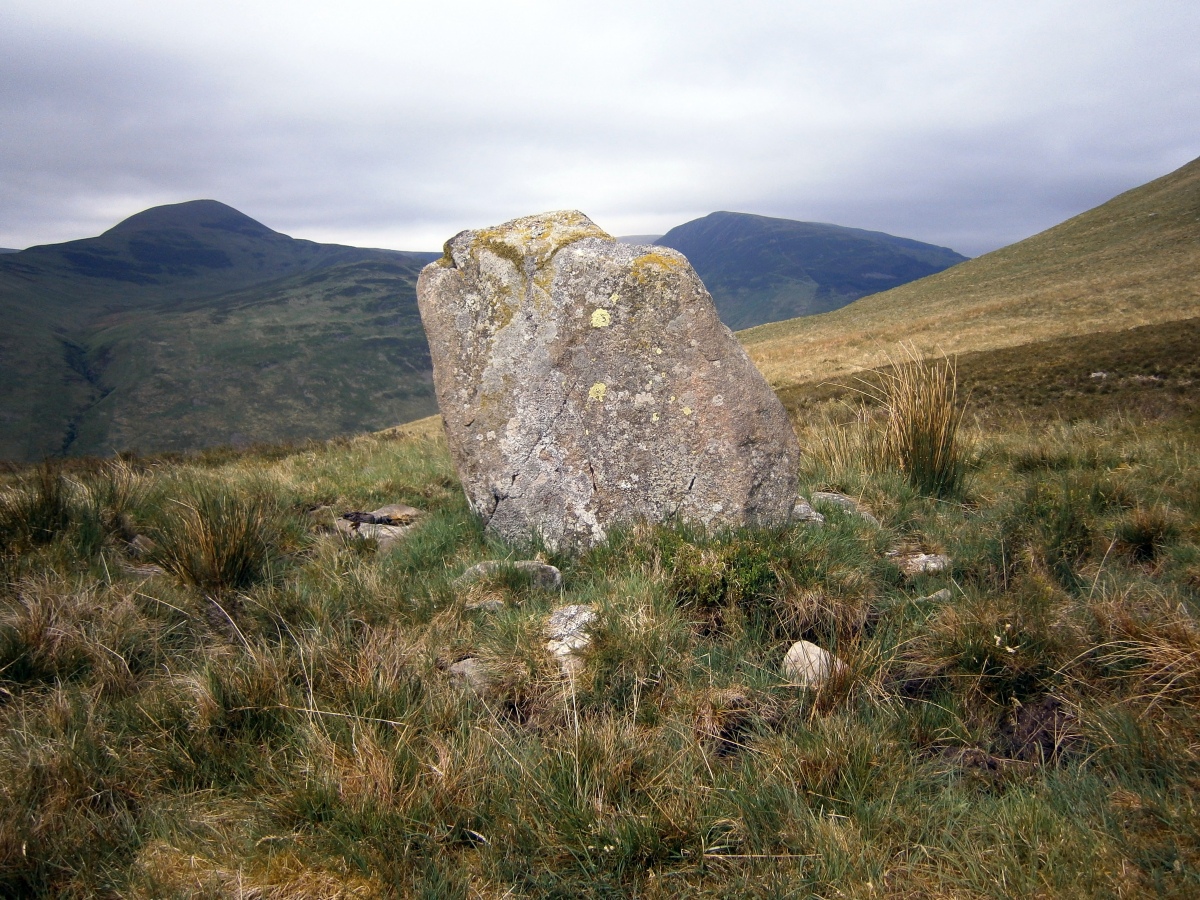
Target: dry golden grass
x=1132, y=261
x=430, y=426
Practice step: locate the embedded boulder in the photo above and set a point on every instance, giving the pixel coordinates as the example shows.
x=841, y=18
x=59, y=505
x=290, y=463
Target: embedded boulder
x=810, y=666
x=586, y=383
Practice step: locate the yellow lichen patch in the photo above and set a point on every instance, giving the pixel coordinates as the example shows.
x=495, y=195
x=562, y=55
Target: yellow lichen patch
x=502, y=314
x=597, y=392
x=538, y=237
x=601, y=318
x=655, y=264
x=687, y=410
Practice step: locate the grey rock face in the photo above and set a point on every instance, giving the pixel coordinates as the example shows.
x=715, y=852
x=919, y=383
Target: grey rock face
x=585, y=383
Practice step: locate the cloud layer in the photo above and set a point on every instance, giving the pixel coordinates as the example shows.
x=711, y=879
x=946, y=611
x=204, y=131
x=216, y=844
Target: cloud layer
x=398, y=124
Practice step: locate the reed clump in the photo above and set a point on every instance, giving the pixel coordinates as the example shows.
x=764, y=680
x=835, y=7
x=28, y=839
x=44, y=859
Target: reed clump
x=921, y=432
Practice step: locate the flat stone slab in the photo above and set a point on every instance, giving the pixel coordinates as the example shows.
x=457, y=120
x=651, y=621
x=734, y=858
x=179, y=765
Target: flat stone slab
x=385, y=525
x=585, y=383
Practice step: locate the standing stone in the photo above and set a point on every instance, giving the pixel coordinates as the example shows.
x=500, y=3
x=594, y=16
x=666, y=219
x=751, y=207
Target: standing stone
x=585, y=383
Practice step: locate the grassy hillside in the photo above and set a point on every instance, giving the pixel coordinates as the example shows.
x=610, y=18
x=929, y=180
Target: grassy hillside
x=1132, y=261
x=191, y=325
x=760, y=269
x=333, y=352
x=286, y=723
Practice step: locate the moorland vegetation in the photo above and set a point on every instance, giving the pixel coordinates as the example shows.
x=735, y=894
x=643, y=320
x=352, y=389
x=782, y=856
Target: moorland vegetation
x=259, y=704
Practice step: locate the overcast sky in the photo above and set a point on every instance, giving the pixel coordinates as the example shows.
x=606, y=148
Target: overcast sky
x=395, y=124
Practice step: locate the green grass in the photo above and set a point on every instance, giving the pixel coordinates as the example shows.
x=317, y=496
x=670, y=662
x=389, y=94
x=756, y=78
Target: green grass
x=1034, y=735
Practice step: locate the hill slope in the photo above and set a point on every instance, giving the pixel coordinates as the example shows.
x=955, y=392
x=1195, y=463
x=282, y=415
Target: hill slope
x=760, y=269
x=193, y=324
x=1132, y=261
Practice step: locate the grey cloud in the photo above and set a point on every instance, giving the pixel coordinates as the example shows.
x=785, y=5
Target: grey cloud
x=969, y=126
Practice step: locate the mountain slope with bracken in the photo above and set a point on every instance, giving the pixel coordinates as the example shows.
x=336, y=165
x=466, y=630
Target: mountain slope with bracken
x=1133, y=261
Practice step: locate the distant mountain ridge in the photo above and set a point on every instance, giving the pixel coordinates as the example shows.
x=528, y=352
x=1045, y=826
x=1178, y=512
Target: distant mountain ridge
x=193, y=324
x=761, y=269
x=190, y=248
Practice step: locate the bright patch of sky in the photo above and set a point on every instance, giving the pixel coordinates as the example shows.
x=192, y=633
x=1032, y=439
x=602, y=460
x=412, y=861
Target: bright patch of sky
x=394, y=124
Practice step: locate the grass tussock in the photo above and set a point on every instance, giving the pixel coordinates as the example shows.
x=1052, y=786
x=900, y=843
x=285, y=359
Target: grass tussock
x=906, y=418
x=921, y=433
x=1023, y=723
x=218, y=541
x=35, y=509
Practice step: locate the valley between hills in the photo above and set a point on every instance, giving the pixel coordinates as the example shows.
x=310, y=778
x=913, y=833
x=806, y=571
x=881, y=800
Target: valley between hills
x=193, y=325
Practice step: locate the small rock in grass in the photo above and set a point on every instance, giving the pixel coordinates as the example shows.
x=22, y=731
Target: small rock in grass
x=470, y=673
x=803, y=512
x=489, y=603
x=847, y=503
x=942, y=596
x=567, y=633
x=386, y=525
x=141, y=546
x=386, y=535
x=808, y=665
x=541, y=575
x=913, y=564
